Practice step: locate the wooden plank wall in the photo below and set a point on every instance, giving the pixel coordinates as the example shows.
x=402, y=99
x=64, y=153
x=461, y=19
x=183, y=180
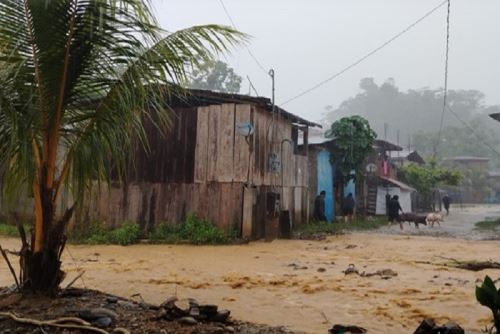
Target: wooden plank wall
x=153, y=203
x=223, y=163
x=172, y=153
x=222, y=155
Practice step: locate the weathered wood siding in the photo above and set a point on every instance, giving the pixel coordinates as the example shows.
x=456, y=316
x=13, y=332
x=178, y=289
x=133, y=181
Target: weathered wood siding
x=222, y=155
x=203, y=166
x=171, y=153
x=152, y=203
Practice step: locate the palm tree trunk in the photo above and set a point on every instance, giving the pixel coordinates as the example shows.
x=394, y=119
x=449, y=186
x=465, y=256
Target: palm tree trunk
x=41, y=262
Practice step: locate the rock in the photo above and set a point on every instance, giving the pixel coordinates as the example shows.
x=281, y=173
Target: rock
x=194, y=311
x=102, y=322
x=111, y=300
x=425, y=327
x=209, y=310
x=169, y=303
x=101, y=312
x=187, y=321
x=453, y=328
x=182, y=305
x=229, y=329
x=127, y=305
x=221, y=316
x=341, y=329
x=321, y=270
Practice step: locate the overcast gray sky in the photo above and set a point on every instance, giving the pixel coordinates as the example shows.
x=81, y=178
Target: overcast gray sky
x=306, y=41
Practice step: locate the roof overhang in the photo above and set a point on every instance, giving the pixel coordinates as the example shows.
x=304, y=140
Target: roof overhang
x=397, y=183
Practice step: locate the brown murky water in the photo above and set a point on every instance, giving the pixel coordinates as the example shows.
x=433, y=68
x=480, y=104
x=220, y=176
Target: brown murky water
x=300, y=284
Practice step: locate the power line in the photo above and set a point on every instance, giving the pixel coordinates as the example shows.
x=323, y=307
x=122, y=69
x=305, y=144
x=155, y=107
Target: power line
x=371, y=53
x=471, y=129
x=259, y=64
x=445, y=95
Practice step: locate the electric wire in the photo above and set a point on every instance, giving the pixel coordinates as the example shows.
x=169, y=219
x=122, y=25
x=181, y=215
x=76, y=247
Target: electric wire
x=259, y=64
x=445, y=89
x=369, y=54
x=471, y=129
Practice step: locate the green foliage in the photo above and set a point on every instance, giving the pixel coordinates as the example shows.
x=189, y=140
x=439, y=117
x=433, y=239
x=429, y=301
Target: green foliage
x=8, y=230
x=426, y=178
x=413, y=114
x=165, y=233
x=493, y=224
x=194, y=230
x=459, y=140
x=488, y=295
x=125, y=235
x=215, y=75
x=76, y=76
x=96, y=234
x=315, y=228
x=354, y=140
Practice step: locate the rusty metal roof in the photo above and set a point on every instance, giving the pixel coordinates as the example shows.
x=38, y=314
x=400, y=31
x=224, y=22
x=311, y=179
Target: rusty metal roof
x=199, y=97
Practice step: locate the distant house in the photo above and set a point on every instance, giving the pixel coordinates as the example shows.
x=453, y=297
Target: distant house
x=232, y=159
x=323, y=175
x=406, y=157
x=380, y=178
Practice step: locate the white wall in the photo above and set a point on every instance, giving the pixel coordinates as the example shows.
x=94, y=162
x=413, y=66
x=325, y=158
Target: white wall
x=404, y=199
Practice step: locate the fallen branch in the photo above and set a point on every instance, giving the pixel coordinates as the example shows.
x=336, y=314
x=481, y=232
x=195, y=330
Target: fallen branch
x=52, y=323
x=74, y=280
x=10, y=267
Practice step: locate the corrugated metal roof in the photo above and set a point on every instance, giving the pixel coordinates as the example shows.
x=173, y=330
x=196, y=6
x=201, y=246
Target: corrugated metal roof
x=398, y=183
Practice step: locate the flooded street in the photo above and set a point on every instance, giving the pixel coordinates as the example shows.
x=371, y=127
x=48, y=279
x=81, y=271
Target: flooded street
x=301, y=284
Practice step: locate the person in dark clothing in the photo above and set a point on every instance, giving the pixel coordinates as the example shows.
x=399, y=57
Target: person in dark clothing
x=446, y=203
x=393, y=212
x=387, y=200
x=348, y=208
x=319, y=207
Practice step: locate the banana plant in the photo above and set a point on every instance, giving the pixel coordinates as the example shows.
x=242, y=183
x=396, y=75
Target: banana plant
x=488, y=295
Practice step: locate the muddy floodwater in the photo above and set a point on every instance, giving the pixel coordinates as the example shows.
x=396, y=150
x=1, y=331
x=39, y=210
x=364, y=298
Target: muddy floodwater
x=301, y=284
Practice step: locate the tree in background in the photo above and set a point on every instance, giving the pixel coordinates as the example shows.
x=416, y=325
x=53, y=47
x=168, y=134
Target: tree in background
x=76, y=78
x=215, y=75
x=386, y=103
x=354, y=139
x=459, y=140
x=427, y=178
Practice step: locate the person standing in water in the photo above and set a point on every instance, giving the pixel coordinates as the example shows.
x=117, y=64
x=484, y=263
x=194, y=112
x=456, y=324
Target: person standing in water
x=348, y=208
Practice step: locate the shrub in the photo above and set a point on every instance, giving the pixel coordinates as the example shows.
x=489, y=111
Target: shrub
x=194, y=230
x=8, y=230
x=96, y=234
x=127, y=234
x=165, y=233
x=201, y=231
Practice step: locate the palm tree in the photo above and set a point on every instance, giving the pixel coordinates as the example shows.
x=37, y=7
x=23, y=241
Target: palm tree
x=77, y=77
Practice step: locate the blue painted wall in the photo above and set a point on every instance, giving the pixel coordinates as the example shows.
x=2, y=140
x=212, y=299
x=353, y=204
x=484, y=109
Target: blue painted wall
x=350, y=187
x=325, y=182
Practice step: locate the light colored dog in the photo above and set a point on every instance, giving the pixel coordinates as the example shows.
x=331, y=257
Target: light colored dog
x=433, y=218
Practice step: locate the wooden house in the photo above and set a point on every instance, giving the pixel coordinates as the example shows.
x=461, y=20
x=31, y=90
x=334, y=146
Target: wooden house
x=231, y=159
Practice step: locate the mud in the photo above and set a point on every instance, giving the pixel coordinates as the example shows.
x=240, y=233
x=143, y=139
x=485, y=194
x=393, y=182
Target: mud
x=301, y=284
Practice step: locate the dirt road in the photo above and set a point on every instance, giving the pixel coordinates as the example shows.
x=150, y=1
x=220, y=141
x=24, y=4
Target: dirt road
x=301, y=284
x=459, y=224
